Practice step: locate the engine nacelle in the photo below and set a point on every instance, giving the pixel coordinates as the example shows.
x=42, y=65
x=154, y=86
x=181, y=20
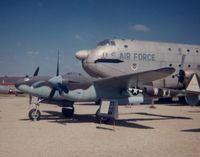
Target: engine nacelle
x=138, y=99
x=156, y=92
x=192, y=99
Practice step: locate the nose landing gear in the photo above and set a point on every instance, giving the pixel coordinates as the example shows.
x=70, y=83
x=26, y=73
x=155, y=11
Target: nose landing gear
x=34, y=114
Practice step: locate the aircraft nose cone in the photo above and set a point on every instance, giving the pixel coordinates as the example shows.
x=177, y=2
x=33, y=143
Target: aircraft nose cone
x=81, y=55
x=20, y=83
x=19, y=87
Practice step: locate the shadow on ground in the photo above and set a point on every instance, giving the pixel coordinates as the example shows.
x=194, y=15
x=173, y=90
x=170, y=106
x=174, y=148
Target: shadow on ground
x=162, y=116
x=191, y=130
x=57, y=117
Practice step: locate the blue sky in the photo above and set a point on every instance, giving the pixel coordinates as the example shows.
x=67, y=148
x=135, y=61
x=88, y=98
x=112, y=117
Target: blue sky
x=32, y=31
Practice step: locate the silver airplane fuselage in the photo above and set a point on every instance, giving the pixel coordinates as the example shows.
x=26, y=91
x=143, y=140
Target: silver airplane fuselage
x=118, y=57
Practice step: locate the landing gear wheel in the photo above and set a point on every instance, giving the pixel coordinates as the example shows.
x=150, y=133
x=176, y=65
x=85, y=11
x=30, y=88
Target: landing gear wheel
x=34, y=114
x=68, y=111
x=102, y=119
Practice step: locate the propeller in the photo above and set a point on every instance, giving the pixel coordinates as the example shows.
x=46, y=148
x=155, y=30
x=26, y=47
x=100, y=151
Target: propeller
x=36, y=71
x=34, y=75
x=57, y=82
x=181, y=74
x=58, y=62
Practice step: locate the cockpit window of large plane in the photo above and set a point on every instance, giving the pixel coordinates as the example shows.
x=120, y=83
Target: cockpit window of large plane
x=106, y=42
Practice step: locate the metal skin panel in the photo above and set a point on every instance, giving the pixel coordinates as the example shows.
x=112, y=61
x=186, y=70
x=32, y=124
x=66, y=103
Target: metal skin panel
x=138, y=56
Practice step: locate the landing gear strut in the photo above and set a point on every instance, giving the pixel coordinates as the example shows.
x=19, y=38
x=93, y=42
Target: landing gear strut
x=102, y=119
x=67, y=110
x=34, y=114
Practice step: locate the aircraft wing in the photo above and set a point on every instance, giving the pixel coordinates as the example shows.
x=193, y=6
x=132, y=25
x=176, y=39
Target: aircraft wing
x=134, y=80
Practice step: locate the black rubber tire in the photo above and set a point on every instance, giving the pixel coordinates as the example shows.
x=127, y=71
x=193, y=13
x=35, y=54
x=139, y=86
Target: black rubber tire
x=68, y=111
x=33, y=115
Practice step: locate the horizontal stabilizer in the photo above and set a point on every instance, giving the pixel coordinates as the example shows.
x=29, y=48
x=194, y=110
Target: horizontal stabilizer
x=193, y=85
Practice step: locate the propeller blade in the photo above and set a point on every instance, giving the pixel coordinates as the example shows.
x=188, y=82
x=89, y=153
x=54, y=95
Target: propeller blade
x=30, y=99
x=52, y=93
x=57, y=71
x=182, y=62
x=181, y=73
x=36, y=71
x=62, y=87
x=56, y=82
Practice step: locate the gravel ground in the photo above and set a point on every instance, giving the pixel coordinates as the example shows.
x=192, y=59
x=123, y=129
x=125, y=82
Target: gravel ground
x=141, y=131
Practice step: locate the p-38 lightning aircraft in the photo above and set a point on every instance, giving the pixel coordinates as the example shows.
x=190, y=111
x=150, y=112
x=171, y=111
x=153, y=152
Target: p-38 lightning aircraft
x=72, y=87
x=112, y=58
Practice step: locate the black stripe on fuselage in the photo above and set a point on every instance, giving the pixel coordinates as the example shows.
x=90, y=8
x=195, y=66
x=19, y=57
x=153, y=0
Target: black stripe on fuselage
x=108, y=61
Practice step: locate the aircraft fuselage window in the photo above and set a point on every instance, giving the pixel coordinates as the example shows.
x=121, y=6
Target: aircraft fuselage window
x=126, y=46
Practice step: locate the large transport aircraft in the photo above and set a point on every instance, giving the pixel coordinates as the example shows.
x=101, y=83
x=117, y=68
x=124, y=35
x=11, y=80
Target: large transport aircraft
x=112, y=58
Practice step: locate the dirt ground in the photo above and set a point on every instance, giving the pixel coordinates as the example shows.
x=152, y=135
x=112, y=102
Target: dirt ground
x=141, y=131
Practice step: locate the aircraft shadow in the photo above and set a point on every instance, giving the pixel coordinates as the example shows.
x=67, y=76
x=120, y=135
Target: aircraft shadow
x=192, y=130
x=162, y=116
x=194, y=111
x=57, y=117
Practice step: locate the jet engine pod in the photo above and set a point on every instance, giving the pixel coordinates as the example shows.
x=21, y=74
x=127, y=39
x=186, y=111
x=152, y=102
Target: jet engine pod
x=138, y=99
x=192, y=99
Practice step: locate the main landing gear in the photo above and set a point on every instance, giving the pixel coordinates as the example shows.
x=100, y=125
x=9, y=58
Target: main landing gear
x=100, y=118
x=67, y=110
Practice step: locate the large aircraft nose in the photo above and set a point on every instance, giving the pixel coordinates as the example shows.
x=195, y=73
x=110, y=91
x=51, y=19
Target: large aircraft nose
x=82, y=54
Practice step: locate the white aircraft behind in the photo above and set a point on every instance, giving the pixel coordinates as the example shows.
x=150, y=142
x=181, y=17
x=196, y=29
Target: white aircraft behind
x=120, y=57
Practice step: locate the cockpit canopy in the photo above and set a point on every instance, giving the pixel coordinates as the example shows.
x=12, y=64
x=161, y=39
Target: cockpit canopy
x=106, y=42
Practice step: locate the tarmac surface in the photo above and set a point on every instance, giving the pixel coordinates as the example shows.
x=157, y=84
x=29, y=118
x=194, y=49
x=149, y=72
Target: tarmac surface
x=141, y=131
